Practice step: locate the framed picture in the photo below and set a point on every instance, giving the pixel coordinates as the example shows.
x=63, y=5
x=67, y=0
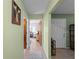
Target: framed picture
x=16, y=14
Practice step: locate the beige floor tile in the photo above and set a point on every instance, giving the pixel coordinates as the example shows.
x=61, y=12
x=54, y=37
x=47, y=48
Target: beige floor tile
x=35, y=51
x=63, y=54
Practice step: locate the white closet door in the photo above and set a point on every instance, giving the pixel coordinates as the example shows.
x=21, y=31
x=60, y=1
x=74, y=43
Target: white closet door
x=59, y=32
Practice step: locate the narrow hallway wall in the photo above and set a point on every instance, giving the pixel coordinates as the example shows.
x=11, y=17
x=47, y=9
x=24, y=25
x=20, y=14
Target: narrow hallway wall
x=46, y=35
x=12, y=34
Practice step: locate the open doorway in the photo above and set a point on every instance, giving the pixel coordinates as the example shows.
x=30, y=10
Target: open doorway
x=36, y=30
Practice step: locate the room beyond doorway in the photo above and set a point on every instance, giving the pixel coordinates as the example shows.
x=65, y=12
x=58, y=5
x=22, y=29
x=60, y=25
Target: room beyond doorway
x=36, y=30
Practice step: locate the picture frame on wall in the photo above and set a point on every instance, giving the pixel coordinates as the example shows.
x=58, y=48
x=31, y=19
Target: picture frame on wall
x=16, y=14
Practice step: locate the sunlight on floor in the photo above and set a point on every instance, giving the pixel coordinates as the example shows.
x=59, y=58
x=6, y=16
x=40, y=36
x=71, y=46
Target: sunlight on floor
x=35, y=51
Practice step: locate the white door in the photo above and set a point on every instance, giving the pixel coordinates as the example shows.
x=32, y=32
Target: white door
x=59, y=32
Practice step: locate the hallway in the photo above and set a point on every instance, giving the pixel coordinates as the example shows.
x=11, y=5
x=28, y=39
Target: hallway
x=35, y=51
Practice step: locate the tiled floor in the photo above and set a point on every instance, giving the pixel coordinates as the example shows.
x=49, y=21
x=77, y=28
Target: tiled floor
x=63, y=54
x=35, y=51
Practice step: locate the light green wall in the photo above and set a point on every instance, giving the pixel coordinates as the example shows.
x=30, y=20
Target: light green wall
x=46, y=35
x=12, y=34
x=46, y=38
x=69, y=20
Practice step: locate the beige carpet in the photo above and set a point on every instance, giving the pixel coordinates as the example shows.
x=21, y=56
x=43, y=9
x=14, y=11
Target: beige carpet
x=63, y=54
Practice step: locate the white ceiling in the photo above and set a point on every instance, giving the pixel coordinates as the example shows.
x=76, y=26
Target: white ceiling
x=67, y=7
x=39, y=6
x=36, y=6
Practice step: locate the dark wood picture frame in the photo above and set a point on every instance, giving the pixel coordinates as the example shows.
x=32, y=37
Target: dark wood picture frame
x=16, y=14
